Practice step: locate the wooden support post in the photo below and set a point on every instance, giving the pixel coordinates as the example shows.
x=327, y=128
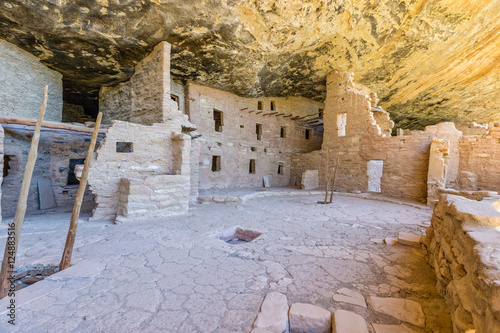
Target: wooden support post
x=70, y=239
x=334, y=178
x=14, y=231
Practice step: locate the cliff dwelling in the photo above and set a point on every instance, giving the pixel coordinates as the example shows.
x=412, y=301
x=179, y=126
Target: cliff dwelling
x=250, y=166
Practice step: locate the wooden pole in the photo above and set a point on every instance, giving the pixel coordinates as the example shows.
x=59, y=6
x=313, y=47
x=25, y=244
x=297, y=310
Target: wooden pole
x=14, y=231
x=70, y=239
x=48, y=124
x=334, y=177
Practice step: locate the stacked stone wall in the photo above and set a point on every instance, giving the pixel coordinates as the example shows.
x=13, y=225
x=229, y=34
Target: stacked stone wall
x=23, y=78
x=463, y=243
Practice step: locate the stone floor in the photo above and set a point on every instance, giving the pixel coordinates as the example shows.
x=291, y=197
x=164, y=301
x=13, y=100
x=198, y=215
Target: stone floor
x=174, y=276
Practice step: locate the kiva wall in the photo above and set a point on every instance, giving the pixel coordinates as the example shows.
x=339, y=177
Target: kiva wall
x=23, y=78
x=463, y=243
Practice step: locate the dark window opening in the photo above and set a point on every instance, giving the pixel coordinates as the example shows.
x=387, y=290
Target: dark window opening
x=175, y=98
x=6, y=165
x=283, y=132
x=251, y=166
x=259, y=105
x=308, y=134
x=253, y=148
x=72, y=180
x=215, y=163
x=281, y=171
x=242, y=126
x=258, y=131
x=124, y=147
x=321, y=112
x=273, y=106
x=218, y=120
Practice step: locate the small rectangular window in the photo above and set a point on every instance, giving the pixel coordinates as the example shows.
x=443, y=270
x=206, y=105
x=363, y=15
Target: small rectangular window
x=215, y=163
x=259, y=105
x=281, y=171
x=258, y=131
x=273, y=106
x=341, y=123
x=72, y=180
x=321, y=111
x=283, y=132
x=124, y=147
x=251, y=166
x=308, y=134
x=175, y=98
x=218, y=120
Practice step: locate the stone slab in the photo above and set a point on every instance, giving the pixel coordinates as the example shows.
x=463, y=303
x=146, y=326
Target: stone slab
x=45, y=194
x=399, y=308
x=410, y=239
x=273, y=314
x=348, y=322
x=308, y=318
x=349, y=296
x=382, y=328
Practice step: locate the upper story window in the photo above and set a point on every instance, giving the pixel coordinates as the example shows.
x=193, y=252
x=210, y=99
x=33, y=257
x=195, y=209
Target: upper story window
x=260, y=105
x=283, y=132
x=218, y=119
x=273, y=106
x=308, y=134
x=258, y=131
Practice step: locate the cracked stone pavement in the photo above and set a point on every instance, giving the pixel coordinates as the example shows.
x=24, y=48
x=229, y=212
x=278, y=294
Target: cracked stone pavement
x=174, y=276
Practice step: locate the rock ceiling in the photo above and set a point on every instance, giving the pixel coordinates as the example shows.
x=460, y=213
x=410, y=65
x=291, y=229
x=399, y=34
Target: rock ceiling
x=429, y=60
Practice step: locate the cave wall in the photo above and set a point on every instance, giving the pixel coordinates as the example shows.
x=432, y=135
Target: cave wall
x=23, y=78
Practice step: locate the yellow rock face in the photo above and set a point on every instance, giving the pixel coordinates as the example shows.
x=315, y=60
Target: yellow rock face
x=429, y=60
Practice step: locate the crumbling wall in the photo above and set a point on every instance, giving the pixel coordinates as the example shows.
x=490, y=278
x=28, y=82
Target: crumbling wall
x=23, y=79
x=145, y=98
x=236, y=142
x=480, y=161
x=55, y=150
x=405, y=158
x=462, y=244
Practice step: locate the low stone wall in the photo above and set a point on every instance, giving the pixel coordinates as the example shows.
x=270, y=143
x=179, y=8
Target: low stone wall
x=463, y=244
x=152, y=197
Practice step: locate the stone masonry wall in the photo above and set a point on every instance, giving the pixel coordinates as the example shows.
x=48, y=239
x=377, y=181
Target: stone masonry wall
x=463, y=244
x=152, y=197
x=22, y=78
x=405, y=158
x=55, y=150
x=237, y=142
x=145, y=98
x=480, y=161
x=151, y=155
